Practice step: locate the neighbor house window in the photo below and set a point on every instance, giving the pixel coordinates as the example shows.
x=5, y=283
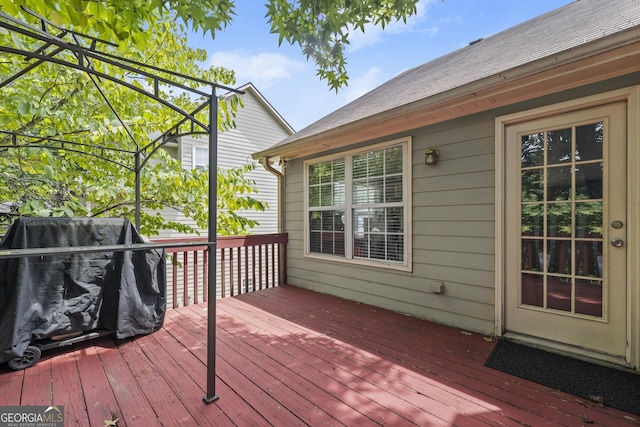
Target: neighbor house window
x=200, y=158
x=358, y=205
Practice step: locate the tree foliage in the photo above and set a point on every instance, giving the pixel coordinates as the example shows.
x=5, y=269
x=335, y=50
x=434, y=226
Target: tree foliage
x=321, y=28
x=109, y=122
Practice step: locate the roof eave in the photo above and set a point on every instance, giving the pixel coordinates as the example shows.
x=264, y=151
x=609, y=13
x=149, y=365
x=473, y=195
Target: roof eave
x=602, y=59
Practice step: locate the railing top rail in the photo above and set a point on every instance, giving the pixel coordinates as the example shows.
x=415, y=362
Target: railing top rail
x=224, y=242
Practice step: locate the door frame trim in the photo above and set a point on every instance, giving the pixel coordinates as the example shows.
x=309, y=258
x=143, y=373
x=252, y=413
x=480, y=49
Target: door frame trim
x=631, y=95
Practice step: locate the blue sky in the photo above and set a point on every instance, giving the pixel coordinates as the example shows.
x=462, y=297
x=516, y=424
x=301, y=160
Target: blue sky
x=290, y=84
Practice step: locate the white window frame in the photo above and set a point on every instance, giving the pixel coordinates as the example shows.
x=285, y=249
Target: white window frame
x=201, y=166
x=406, y=265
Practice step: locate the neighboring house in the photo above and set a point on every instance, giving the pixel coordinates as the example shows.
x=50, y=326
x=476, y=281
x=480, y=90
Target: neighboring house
x=258, y=126
x=527, y=226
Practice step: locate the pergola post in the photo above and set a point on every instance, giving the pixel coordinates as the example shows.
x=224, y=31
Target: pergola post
x=212, y=247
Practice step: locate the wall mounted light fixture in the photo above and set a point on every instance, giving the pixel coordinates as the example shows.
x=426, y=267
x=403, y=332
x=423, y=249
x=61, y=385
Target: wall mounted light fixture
x=431, y=156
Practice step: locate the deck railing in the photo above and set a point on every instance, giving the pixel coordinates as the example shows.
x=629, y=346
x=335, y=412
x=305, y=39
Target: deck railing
x=243, y=264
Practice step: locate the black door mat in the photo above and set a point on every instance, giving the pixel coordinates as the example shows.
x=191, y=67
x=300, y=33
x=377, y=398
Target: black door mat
x=613, y=387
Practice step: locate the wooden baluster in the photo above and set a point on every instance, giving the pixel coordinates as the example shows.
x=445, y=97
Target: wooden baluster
x=239, y=277
x=246, y=269
x=273, y=265
x=205, y=276
x=195, y=277
x=260, y=264
x=185, y=278
x=223, y=274
x=231, y=285
x=253, y=269
x=174, y=262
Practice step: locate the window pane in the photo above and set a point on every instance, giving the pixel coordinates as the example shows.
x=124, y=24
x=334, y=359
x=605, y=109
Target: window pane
x=338, y=170
x=559, y=293
x=589, y=258
x=559, y=220
x=532, y=289
x=559, y=183
x=338, y=193
x=395, y=247
x=532, y=185
x=315, y=240
x=314, y=174
x=589, y=297
x=327, y=221
x=559, y=253
x=359, y=166
x=533, y=150
x=589, y=140
x=395, y=220
x=532, y=219
x=559, y=146
x=393, y=189
x=589, y=220
x=360, y=192
x=315, y=221
x=314, y=196
x=393, y=160
x=589, y=181
x=376, y=190
x=330, y=240
x=376, y=163
x=532, y=255
x=326, y=195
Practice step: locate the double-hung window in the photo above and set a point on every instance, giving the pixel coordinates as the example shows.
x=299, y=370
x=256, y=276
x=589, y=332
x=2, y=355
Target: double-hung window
x=201, y=158
x=358, y=206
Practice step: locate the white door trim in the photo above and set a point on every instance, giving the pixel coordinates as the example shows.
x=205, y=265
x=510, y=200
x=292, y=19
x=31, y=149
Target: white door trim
x=632, y=96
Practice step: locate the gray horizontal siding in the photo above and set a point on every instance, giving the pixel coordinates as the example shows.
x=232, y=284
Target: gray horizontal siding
x=453, y=235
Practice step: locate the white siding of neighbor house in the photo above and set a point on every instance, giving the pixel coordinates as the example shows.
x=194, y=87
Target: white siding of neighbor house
x=453, y=226
x=256, y=129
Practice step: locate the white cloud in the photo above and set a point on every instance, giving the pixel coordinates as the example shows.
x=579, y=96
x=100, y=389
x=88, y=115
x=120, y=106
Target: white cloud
x=262, y=69
x=374, y=34
x=362, y=84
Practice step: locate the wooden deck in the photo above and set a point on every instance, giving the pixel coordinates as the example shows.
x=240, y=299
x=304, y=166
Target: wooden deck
x=286, y=357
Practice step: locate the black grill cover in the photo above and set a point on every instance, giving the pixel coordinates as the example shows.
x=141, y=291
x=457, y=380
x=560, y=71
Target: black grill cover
x=45, y=296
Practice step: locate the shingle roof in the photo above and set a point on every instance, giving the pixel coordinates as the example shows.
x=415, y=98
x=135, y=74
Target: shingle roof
x=575, y=24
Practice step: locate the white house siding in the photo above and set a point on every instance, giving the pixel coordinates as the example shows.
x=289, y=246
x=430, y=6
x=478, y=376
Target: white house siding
x=256, y=129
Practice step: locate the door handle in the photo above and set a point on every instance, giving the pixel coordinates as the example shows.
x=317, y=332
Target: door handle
x=617, y=242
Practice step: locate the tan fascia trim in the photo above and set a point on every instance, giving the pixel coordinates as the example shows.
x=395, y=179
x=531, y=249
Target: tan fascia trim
x=602, y=59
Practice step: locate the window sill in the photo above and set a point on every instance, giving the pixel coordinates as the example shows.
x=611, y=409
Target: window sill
x=386, y=265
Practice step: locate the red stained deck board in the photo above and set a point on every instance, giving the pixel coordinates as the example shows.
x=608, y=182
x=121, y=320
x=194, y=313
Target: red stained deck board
x=37, y=385
x=377, y=377
x=67, y=389
x=10, y=386
x=135, y=409
x=98, y=394
x=288, y=356
x=535, y=405
x=192, y=357
x=271, y=392
x=168, y=407
x=186, y=387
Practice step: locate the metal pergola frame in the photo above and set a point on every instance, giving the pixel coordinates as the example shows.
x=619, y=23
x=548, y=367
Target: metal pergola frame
x=54, y=41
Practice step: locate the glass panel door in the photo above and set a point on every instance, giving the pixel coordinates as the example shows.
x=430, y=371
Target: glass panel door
x=562, y=219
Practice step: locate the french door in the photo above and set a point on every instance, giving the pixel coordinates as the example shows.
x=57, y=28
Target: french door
x=565, y=241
